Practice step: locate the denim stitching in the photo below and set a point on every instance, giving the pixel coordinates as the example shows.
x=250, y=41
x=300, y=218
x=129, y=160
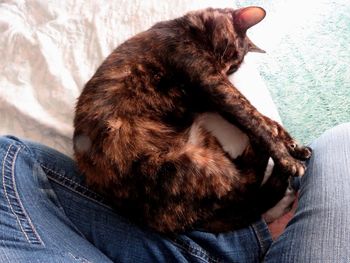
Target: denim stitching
x=79, y=259
x=87, y=193
x=6, y=195
x=261, y=240
x=77, y=192
x=199, y=253
x=73, y=182
x=15, y=203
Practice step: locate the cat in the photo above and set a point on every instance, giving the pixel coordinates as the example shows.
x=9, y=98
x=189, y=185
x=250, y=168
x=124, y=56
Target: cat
x=138, y=137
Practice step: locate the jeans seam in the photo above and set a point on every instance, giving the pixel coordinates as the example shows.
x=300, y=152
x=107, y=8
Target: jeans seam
x=199, y=253
x=61, y=181
x=261, y=240
x=78, y=258
x=16, y=206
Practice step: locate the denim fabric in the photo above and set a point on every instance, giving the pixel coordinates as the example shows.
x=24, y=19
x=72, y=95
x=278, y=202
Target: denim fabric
x=320, y=230
x=47, y=214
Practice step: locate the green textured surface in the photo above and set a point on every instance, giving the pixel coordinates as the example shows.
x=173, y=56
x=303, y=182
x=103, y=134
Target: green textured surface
x=308, y=69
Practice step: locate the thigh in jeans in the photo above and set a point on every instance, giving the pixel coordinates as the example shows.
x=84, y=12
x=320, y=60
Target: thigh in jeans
x=33, y=226
x=320, y=229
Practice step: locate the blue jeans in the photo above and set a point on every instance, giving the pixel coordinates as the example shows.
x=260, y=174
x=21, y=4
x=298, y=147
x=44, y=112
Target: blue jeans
x=47, y=214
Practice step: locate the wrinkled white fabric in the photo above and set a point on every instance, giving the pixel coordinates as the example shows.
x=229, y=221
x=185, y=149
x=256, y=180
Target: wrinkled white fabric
x=49, y=49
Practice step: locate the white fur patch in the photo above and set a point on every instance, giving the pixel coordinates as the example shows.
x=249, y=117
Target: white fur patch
x=282, y=207
x=232, y=139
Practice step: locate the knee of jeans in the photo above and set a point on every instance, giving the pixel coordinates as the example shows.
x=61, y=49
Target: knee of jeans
x=332, y=146
x=329, y=169
x=338, y=136
x=331, y=150
x=343, y=128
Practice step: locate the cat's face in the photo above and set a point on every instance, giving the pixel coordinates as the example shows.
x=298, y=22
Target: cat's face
x=226, y=30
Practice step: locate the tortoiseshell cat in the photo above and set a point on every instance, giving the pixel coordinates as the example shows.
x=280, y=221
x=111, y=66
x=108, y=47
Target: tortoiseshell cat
x=137, y=139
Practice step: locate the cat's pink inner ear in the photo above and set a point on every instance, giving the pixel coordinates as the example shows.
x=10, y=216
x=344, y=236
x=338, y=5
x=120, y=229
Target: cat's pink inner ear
x=247, y=17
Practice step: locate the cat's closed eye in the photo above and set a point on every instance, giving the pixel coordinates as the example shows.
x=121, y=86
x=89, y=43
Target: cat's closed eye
x=232, y=69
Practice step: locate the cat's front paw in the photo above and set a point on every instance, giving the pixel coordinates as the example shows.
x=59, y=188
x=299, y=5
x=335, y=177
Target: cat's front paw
x=291, y=166
x=299, y=152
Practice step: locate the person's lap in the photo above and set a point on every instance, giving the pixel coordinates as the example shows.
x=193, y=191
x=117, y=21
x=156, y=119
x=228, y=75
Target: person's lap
x=47, y=214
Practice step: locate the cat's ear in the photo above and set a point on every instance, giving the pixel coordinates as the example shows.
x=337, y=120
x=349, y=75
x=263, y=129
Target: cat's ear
x=245, y=18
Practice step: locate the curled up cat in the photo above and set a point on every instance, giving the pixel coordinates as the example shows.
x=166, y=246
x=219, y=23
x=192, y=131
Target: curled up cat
x=138, y=136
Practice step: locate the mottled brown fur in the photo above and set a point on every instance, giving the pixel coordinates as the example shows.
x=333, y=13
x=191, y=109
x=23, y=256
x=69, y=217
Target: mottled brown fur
x=132, y=127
